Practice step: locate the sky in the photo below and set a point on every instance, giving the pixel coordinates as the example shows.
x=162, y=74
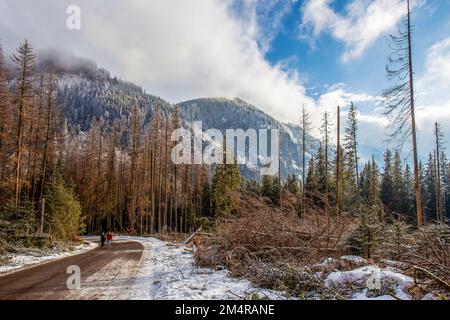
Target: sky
x=275, y=54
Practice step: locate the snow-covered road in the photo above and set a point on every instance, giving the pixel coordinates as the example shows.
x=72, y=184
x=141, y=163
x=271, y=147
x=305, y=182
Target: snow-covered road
x=135, y=268
x=168, y=271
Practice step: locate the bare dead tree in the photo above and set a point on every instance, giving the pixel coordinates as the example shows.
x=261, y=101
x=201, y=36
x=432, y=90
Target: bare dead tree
x=338, y=160
x=399, y=99
x=306, y=127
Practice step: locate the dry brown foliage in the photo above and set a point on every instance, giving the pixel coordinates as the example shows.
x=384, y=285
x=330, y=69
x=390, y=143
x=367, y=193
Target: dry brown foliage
x=428, y=259
x=264, y=235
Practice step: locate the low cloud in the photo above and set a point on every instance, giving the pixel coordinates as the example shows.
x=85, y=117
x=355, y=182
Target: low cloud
x=179, y=50
x=201, y=48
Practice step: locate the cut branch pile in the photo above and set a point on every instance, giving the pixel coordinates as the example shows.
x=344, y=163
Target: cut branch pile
x=264, y=236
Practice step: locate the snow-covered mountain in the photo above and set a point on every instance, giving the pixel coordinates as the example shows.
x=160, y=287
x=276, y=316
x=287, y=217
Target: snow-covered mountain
x=222, y=114
x=87, y=92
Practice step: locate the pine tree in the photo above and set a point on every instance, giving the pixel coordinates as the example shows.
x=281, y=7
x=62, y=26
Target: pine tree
x=370, y=185
x=312, y=182
x=445, y=165
x=397, y=183
x=351, y=146
x=226, y=182
x=134, y=165
x=338, y=164
x=324, y=157
x=292, y=184
x=367, y=238
x=5, y=129
x=439, y=137
x=49, y=131
x=408, y=206
x=23, y=99
x=430, y=189
x=387, y=182
x=63, y=210
x=396, y=238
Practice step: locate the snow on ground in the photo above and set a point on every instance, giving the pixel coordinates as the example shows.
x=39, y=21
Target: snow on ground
x=374, y=283
x=19, y=261
x=168, y=272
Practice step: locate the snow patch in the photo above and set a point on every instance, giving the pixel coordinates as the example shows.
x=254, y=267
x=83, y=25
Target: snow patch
x=386, y=280
x=16, y=262
x=168, y=272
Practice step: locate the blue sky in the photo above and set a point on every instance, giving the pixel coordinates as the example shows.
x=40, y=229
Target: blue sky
x=318, y=59
x=275, y=54
x=320, y=63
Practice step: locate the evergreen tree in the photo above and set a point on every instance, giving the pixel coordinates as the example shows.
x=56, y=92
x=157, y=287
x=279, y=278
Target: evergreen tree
x=397, y=184
x=387, y=182
x=324, y=157
x=439, y=137
x=445, y=165
x=367, y=238
x=396, y=238
x=226, y=182
x=430, y=189
x=408, y=204
x=370, y=185
x=292, y=184
x=63, y=210
x=351, y=147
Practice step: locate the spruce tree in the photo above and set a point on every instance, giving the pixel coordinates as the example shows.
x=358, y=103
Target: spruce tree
x=397, y=183
x=387, y=182
x=408, y=206
x=430, y=189
x=351, y=146
x=24, y=59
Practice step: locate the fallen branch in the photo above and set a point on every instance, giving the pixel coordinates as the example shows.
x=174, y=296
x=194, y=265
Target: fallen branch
x=433, y=276
x=189, y=239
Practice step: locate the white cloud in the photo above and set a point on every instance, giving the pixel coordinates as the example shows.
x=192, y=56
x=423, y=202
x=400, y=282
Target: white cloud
x=433, y=88
x=433, y=93
x=176, y=49
x=432, y=104
x=359, y=26
x=341, y=95
x=199, y=48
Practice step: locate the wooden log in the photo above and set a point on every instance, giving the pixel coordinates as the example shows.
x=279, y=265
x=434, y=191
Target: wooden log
x=191, y=237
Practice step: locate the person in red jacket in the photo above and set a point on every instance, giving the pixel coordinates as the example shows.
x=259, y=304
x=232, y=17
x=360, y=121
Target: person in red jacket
x=109, y=238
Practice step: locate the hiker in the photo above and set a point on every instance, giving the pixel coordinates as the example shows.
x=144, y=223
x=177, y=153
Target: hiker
x=109, y=238
x=102, y=239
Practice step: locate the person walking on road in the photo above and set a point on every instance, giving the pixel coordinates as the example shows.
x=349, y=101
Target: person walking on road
x=109, y=238
x=102, y=239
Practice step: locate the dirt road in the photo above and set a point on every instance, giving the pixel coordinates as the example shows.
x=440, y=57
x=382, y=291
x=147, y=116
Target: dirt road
x=105, y=274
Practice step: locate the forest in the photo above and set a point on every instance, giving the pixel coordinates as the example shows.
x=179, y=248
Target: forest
x=59, y=180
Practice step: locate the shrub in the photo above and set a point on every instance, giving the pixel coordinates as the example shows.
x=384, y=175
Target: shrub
x=63, y=211
x=367, y=238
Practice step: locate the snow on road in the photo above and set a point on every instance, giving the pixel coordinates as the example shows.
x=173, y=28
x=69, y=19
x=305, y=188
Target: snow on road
x=17, y=262
x=168, y=272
